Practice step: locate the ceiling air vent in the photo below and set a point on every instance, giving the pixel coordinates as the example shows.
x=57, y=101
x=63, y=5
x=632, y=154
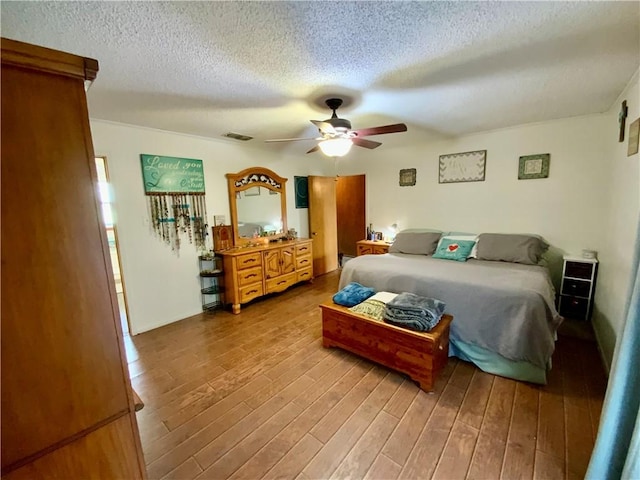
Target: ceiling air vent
x=237, y=136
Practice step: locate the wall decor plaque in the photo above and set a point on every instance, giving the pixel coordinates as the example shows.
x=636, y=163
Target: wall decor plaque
x=534, y=166
x=171, y=174
x=407, y=177
x=634, y=135
x=301, y=186
x=462, y=167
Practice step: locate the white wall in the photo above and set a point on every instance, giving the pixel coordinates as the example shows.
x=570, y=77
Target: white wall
x=619, y=224
x=567, y=209
x=163, y=286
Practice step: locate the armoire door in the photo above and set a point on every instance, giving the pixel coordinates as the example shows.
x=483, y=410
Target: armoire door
x=65, y=384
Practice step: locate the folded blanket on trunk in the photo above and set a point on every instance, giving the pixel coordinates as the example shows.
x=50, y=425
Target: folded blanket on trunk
x=352, y=294
x=373, y=307
x=414, y=312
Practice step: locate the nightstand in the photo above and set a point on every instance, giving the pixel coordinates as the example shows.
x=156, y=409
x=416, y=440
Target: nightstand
x=578, y=287
x=371, y=247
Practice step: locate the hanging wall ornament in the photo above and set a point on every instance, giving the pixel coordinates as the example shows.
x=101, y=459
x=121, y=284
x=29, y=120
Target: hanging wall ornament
x=176, y=198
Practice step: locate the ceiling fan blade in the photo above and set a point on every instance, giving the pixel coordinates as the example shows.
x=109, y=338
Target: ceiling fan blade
x=324, y=127
x=314, y=149
x=288, y=139
x=363, y=142
x=396, y=127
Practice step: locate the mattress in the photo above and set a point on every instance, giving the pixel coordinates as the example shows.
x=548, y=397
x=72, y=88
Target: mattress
x=506, y=309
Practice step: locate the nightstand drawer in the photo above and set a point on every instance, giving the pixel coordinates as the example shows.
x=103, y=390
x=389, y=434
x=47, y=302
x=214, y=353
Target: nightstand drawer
x=577, y=288
x=573, y=307
x=579, y=270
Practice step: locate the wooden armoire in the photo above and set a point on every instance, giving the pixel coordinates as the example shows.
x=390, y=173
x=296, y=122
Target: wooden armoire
x=67, y=403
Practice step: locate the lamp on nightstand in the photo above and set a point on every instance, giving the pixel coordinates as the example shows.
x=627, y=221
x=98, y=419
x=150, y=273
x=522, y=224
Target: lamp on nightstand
x=394, y=231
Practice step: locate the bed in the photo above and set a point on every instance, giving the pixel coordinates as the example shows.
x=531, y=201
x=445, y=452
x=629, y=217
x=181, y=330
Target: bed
x=505, y=319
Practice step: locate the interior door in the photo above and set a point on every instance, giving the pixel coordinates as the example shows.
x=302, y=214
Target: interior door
x=350, y=201
x=323, y=224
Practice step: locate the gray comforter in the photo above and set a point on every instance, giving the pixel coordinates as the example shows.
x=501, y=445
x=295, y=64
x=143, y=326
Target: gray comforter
x=507, y=308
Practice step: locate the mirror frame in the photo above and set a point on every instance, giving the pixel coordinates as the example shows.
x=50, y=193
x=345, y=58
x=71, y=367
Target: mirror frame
x=255, y=177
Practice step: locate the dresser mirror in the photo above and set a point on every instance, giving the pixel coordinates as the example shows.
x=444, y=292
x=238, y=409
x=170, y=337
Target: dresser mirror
x=258, y=204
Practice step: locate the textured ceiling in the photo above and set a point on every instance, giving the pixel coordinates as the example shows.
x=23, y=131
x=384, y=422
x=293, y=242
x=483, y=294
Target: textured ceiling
x=256, y=68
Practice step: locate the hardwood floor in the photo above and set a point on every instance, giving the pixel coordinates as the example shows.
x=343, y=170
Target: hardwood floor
x=256, y=396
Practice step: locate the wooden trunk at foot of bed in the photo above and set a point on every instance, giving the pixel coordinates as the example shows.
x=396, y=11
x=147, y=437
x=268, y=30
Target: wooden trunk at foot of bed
x=421, y=355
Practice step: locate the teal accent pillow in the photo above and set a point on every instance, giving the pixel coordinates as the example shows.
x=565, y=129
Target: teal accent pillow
x=450, y=249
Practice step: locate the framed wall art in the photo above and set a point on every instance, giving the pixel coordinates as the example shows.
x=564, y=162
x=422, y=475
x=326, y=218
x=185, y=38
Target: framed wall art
x=301, y=185
x=407, y=177
x=462, y=167
x=534, y=166
x=634, y=135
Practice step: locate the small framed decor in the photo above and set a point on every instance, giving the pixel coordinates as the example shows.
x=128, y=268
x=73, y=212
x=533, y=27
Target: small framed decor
x=462, y=167
x=301, y=185
x=622, y=117
x=634, y=135
x=222, y=237
x=407, y=177
x=534, y=166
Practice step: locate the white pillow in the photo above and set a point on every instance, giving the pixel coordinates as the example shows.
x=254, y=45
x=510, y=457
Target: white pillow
x=471, y=236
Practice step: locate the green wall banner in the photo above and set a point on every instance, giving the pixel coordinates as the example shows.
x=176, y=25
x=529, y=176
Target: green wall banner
x=171, y=174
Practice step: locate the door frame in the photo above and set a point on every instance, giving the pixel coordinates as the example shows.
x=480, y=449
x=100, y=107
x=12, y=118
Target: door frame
x=119, y=257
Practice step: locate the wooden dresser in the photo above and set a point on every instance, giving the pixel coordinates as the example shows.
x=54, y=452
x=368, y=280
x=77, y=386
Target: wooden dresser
x=67, y=403
x=251, y=272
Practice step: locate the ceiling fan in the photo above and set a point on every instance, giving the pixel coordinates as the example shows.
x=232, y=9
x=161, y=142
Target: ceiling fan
x=337, y=137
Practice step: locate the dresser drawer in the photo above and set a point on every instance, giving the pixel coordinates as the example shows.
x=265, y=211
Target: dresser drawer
x=249, y=276
x=303, y=249
x=578, y=288
x=249, y=260
x=578, y=270
x=303, y=262
x=573, y=307
x=306, y=274
x=281, y=283
x=250, y=292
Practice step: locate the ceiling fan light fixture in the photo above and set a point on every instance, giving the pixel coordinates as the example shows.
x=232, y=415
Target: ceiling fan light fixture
x=336, y=147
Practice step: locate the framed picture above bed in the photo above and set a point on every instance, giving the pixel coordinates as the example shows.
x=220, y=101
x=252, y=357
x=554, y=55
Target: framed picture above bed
x=534, y=166
x=462, y=167
x=407, y=177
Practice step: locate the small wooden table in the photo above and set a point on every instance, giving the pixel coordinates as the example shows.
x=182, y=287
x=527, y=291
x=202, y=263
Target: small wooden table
x=421, y=355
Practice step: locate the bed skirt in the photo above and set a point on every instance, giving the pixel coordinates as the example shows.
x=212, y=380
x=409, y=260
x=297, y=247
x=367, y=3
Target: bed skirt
x=496, y=364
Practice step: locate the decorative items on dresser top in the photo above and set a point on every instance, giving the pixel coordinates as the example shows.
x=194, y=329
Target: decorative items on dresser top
x=372, y=247
x=251, y=272
x=578, y=287
x=68, y=409
x=266, y=257
x=211, y=274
